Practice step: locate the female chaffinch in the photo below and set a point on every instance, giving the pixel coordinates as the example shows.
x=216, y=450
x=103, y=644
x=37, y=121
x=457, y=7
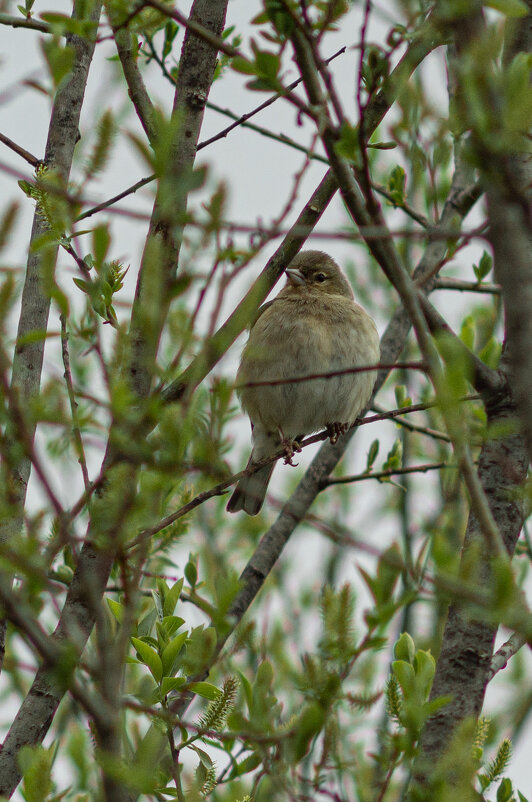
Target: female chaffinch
x=313, y=326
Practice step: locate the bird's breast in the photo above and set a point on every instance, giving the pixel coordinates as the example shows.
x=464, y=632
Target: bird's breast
x=300, y=340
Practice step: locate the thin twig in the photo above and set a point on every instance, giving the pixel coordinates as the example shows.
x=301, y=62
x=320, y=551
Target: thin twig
x=499, y=660
x=23, y=432
x=361, y=477
x=20, y=151
x=414, y=427
x=76, y=431
x=404, y=207
x=25, y=22
x=124, y=194
x=135, y=83
x=466, y=286
x=333, y=373
x=195, y=27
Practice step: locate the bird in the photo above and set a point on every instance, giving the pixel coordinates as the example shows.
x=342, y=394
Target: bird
x=312, y=326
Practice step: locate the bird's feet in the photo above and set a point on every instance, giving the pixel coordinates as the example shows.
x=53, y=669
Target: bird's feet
x=334, y=430
x=290, y=448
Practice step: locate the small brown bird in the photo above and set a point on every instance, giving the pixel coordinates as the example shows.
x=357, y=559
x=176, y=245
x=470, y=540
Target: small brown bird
x=313, y=326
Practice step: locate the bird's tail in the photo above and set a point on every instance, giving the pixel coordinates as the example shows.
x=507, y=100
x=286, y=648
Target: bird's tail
x=250, y=492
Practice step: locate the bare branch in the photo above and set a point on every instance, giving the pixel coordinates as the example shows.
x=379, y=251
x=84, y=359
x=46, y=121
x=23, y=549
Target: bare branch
x=20, y=151
x=135, y=84
x=501, y=657
x=21, y=22
x=466, y=286
x=362, y=477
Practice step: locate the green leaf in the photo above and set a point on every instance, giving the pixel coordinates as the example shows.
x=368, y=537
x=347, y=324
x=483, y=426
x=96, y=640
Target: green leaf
x=467, y=332
x=372, y=455
x=200, y=648
x=205, y=689
x=156, y=596
x=240, y=64
x=382, y=145
x=484, y=266
x=308, y=725
x=405, y=675
x=425, y=667
x=146, y=623
x=172, y=684
x=171, y=624
x=36, y=764
x=82, y=285
x=62, y=23
x=268, y=64
x=171, y=651
x=171, y=29
x=505, y=791
x=394, y=457
x=162, y=637
x=60, y=59
x=204, y=757
x=116, y=609
x=101, y=239
x=149, y=657
x=246, y=687
x=404, y=648
x=401, y=397
x=348, y=144
x=35, y=336
x=248, y=764
x=172, y=597
x=512, y=8
x=191, y=573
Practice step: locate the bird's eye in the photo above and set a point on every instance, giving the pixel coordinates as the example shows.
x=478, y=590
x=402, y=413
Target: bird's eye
x=320, y=277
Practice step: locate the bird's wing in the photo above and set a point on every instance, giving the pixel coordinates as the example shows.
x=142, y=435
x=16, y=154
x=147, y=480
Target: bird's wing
x=260, y=310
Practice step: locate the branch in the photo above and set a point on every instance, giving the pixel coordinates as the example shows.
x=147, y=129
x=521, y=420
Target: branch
x=332, y=373
x=505, y=652
x=135, y=84
x=466, y=286
x=361, y=477
x=21, y=22
x=413, y=427
x=489, y=383
x=73, y=405
x=220, y=488
x=20, y=151
x=215, y=40
x=105, y=204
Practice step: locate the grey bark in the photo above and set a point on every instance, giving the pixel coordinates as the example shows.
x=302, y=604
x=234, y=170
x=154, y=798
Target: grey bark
x=63, y=133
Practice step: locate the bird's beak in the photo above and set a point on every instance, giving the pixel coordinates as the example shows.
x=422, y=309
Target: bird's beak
x=295, y=276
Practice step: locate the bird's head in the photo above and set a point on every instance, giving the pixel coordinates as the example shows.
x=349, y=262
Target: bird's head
x=316, y=271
